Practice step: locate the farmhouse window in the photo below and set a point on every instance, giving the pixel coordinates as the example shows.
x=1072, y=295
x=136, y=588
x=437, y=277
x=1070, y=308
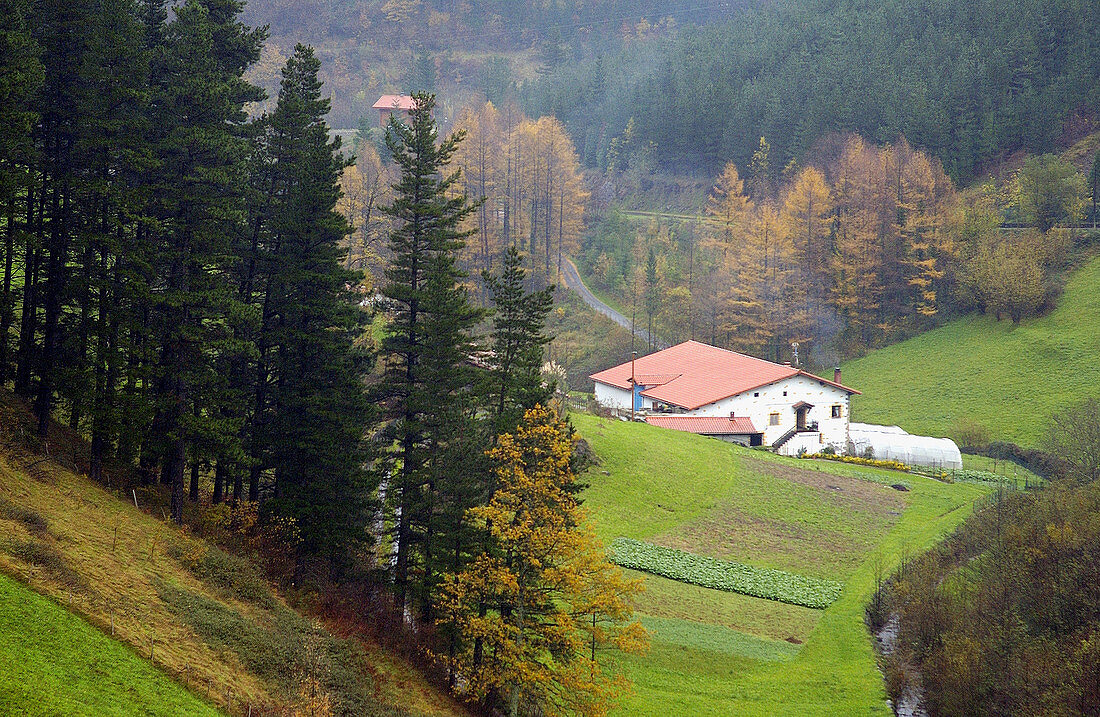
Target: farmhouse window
x=836, y=411
x=756, y=395
x=773, y=419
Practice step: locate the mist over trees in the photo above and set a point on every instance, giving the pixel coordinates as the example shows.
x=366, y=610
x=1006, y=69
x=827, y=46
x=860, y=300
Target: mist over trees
x=966, y=81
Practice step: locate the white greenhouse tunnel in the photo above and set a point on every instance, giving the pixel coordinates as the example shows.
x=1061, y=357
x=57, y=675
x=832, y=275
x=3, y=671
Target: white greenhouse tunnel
x=891, y=443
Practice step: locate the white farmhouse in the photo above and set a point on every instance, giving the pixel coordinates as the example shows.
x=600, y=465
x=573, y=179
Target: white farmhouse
x=703, y=389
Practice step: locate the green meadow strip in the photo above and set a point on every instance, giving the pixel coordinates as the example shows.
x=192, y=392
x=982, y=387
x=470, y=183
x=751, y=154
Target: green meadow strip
x=723, y=575
x=716, y=638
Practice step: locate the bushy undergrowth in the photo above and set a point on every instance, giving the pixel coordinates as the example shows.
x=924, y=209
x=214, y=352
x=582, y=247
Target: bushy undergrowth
x=46, y=557
x=232, y=575
x=31, y=520
x=1003, y=618
x=289, y=650
x=724, y=575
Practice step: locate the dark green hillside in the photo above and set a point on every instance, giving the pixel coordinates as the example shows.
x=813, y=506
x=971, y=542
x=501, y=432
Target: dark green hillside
x=967, y=80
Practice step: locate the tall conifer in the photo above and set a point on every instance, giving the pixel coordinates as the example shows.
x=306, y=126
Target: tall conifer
x=201, y=115
x=20, y=77
x=514, y=383
x=427, y=350
x=318, y=408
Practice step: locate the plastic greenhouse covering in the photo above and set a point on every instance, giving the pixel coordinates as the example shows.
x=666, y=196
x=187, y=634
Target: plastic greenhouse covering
x=891, y=443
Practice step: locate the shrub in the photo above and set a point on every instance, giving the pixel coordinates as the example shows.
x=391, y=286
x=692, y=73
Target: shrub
x=857, y=460
x=232, y=575
x=723, y=575
x=287, y=650
x=45, y=556
x=967, y=432
x=34, y=522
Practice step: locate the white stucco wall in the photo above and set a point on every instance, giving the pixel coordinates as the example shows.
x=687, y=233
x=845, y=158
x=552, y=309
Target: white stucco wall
x=771, y=400
x=804, y=442
x=759, y=404
x=612, y=397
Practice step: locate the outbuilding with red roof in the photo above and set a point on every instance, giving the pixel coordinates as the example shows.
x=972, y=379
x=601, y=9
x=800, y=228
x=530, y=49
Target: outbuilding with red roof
x=387, y=105
x=756, y=402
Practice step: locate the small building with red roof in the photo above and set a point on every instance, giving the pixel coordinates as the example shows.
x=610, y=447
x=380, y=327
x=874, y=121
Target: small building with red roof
x=387, y=105
x=711, y=391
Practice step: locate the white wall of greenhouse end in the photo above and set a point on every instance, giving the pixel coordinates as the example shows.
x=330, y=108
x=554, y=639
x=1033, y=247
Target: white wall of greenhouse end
x=834, y=431
x=612, y=397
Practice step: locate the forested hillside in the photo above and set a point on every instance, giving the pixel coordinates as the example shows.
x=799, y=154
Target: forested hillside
x=967, y=81
x=459, y=50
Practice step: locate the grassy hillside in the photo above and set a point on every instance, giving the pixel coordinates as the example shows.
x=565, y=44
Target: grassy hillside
x=1007, y=378
x=717, y=653
x=212, y=622
x=81, y=670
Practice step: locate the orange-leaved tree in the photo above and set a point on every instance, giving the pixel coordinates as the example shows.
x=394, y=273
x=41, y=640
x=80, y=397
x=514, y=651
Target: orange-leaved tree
x=531, y=614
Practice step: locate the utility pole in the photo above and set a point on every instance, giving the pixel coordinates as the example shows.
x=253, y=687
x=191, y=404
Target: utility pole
x=633, y=355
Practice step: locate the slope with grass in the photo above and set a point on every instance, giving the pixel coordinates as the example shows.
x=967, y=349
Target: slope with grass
x=79, y=565
x=1007, y=378
x=81, y=670
x=720, y=653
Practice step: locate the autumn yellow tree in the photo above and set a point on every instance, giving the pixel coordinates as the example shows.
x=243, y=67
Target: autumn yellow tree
x=805, y=218
x=924, y=193
x=727, y=206
x=366, y=187
x=479, y=158
x=531, y=614
x=762, y=267
x=864, y=213
x=547, y=192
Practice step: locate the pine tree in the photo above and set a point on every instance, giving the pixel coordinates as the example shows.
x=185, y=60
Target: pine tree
x=514, y=383
x=21, y=76
x=113, y=279
x=63, y=33
x=199, y=207
x=427, y=349
x=318, y=408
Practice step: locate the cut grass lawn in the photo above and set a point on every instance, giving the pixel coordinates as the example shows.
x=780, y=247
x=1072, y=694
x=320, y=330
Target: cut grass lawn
x=701, y=496
x=652, y=483
x=59, y=664
x=1009, y=379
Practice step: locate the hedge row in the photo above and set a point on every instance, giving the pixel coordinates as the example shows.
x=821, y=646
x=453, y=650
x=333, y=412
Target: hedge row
x=723, y=575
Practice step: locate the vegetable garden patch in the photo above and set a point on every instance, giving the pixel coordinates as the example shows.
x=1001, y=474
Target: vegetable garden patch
x=724, y=575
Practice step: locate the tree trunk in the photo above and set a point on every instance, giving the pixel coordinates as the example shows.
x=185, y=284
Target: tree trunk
x=219, y=482
x=7, y=308
x=193, y=493
x=28, y=322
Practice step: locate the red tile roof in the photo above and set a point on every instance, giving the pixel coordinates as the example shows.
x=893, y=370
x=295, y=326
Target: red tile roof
x=704, y=374
x=391, y=102
x=716, y=426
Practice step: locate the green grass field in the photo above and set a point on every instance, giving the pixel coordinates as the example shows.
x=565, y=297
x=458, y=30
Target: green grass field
x=62, y=665
x=1009, y=379
x=217, y=626
x=716, y=653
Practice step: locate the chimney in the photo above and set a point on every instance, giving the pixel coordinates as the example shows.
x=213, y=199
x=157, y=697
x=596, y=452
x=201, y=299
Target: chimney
x=836, y=375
